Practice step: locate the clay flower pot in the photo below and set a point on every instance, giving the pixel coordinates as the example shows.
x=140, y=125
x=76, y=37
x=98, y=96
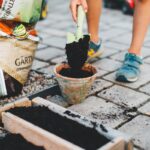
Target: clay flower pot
x=75, y=90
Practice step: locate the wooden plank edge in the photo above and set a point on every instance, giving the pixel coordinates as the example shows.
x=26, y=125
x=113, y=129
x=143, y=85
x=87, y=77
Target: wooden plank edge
x=19, y=103
x=38, y=101
x=116, y=144
x=34, y=134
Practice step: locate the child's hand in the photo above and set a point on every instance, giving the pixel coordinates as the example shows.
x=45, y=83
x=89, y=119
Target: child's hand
x=74, y=5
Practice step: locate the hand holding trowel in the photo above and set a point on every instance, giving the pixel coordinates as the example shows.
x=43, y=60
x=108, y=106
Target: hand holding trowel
x=77, y=44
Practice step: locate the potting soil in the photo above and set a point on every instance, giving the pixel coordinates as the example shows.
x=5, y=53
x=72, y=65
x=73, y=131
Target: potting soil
x=16, y=142
x=85, y=137
x=75, y=73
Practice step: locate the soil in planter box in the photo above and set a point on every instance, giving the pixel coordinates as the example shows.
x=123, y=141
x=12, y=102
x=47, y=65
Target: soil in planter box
x=85, y=137
x=75, y=73
x=16, y=142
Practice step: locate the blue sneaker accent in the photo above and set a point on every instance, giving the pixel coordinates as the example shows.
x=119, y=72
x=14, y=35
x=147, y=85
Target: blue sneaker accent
x=95, y=50
x=94, y=46
x=130, y=70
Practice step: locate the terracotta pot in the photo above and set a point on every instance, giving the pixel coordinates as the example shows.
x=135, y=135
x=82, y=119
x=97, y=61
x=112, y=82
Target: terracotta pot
x=75, y=90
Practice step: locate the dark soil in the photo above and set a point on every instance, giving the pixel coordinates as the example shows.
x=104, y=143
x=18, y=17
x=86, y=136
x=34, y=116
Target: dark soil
x=85, y=137
x=77, y=52
x=16, y=142
x=73, y=73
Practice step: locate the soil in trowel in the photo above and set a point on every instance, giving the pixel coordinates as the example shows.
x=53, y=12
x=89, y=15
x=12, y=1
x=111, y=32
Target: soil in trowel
x=77, y=52
x=85, y=137
x=16, y=142
x=73, y=73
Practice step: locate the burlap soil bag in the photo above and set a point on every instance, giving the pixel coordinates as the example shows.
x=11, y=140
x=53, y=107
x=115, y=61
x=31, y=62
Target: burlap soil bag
x=16, y=57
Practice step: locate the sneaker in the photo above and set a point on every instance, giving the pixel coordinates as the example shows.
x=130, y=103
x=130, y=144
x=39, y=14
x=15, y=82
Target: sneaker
x=95, y=50
x=130, y=70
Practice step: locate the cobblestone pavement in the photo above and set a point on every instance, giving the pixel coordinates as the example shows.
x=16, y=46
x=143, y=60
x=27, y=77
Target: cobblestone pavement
x=125, y=107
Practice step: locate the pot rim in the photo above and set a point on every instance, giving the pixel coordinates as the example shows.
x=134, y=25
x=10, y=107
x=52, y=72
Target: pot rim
x=73, y=79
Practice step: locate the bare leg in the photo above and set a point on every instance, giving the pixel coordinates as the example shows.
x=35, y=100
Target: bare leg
x=93, y=17
x=140, y=25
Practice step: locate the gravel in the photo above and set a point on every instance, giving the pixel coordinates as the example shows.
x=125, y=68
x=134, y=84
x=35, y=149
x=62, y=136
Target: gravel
x=35, y=83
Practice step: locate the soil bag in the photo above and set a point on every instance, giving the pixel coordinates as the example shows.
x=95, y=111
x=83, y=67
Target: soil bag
x=16, y=57
x=27, y=11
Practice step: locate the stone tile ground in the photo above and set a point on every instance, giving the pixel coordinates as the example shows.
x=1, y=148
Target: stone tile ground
x=122, y=106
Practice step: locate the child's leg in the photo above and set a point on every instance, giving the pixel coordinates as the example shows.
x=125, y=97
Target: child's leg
x=93, y=17
x=130, y=70
x=140, y=25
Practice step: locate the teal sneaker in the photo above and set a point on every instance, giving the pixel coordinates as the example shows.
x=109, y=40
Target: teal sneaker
x=95, y=50
x=130, y=70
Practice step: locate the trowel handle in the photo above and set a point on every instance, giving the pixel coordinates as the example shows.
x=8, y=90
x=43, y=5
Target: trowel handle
x=80, y=20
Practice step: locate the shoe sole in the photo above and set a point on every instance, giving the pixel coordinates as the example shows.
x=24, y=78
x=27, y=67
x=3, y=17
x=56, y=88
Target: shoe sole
x=123, y=79
x=96, y=55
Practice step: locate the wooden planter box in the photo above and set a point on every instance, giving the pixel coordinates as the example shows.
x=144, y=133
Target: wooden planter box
x=41, y=137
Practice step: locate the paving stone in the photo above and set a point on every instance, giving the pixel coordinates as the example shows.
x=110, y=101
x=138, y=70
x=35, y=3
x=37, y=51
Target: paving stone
x=43, y=36
x=45, y=23
x=57, y=18
x=126, y=18
x=99, y=85
x=143, y=78
x=139, y=129
x=145, y=89
x=104, y=26
x=109, y=19
x=57, y=99
x=124, y=96
x=145, y=109
x=59, y=60
x=38, y=64
x=48, y=53
x=41, y=46
x=120, y=56
x=64, y=25
x=107, y=64
x=55, y=32
x=100, y=72
x=107, y=113
x=147, y=44
x=124, y=39
x=147, y=60
x=112, y=33
x=56, y=42
x=145, y=52
x=123, y=25
x=116, y=46
x=48, y=70
x=147, y=38
x=108, y=52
